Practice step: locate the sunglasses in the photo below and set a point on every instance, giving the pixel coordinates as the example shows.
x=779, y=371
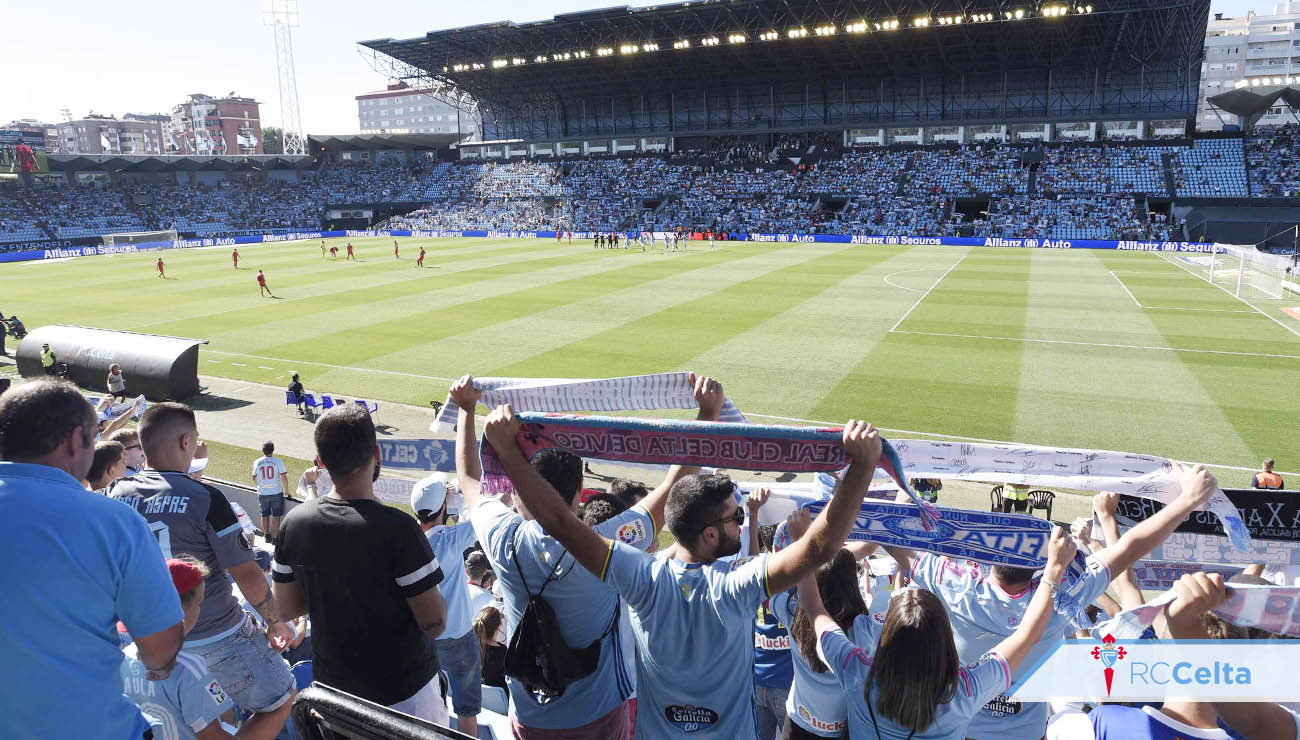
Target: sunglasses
x=737, y=516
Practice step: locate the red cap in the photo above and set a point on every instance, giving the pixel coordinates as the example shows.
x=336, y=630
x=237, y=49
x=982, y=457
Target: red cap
x=185, y=576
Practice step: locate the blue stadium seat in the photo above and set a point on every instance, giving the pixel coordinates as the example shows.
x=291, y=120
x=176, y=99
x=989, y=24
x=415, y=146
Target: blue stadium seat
x=302, y=674
x=495, y=699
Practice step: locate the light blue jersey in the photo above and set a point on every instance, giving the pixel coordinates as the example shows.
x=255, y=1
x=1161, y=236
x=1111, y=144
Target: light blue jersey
x=584, y=608
x=185, y=702
x=694, y=627
x=449, y=545
x=816, y=702
x=983, y=614
x=72, y=564
x=850, y=661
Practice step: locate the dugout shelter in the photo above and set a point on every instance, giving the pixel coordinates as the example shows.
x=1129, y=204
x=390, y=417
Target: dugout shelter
x=738, y=66
x=161, y=368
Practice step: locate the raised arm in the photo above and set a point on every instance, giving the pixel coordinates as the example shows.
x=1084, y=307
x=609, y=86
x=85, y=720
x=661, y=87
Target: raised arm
x=1014, y=649
x=469, y=470
x=1126, y=585
x=543, y=502
x=118, y=423
x=828, y=531
x=708, y=394
x=1197, y=487
x=810, y=600
x=754, y=503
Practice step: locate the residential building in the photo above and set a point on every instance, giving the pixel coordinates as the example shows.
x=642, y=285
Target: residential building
x=206, y=125
x=133, y=134
x=1251, y=51
x=402, y=109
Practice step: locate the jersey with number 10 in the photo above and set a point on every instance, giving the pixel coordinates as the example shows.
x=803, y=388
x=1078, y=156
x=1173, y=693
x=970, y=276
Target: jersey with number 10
x=267, y=472
x=193, y=518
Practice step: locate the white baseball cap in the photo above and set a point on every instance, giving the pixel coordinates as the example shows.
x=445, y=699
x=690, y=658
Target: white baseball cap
x=430, y=493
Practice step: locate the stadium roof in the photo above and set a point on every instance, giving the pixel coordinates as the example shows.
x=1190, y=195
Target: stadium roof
x=906, y=61
x=365, y=142
x=1247, y=101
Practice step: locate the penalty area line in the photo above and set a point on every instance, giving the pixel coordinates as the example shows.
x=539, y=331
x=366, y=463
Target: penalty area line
x=1097, y=344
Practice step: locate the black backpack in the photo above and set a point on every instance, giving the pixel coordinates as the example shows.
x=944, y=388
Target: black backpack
x=538, y=655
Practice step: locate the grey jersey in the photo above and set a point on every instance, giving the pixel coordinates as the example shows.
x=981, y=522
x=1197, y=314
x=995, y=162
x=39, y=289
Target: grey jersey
x=195, y=519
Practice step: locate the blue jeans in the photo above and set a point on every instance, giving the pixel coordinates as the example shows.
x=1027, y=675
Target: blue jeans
x=459, y=657
x=769, y=704
x=271, y=505
x=254, y=676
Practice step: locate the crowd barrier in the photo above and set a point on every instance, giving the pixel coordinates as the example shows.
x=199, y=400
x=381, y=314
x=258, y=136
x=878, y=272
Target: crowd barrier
x=89, y=250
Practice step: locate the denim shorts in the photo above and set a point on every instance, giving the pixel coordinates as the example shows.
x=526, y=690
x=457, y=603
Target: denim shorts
x=272, y=505
x=254, y=676
x=459, y=657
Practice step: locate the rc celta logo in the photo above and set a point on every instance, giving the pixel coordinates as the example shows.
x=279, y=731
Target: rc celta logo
x=1109, y=654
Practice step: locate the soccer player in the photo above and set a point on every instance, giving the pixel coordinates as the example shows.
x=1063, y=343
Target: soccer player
x=396, y=256
x=419, y=262
x=710, y=238
x=696, y=595
x=261, y=284
x=334, y=251
x=235, y=257
x=322, y=249
x=161, y=269
x=350, y=256
x=272, y=481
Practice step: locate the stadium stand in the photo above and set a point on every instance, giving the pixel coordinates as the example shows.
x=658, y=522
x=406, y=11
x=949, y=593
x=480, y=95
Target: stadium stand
x=728, y=187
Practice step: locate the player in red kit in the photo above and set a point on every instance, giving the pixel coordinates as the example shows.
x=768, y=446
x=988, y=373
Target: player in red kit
x=261, y=284
x=161, y=272
x=396, y=256
x=235, y=256
x=350, y=256
x=420, y=261
x=334, y=251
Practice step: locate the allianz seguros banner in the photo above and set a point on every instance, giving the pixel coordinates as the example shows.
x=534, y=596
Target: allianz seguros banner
x=91, y=246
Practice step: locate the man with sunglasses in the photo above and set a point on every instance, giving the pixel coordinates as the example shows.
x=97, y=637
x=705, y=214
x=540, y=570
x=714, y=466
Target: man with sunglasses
x=133, y=452
x=693, y=616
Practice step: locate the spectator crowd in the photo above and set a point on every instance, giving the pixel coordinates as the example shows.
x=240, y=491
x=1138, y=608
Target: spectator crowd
x=805, y=183
x=640, y=612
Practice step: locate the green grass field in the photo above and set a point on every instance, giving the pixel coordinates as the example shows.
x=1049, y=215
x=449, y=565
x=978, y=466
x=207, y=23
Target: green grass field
x=1115, y=350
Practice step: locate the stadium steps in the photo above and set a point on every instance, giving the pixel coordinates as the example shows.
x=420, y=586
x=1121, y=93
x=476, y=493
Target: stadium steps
x=1167, y=167
x=1032, y=188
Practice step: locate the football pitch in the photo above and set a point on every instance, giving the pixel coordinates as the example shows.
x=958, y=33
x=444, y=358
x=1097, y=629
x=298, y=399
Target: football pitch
x=1131, y=351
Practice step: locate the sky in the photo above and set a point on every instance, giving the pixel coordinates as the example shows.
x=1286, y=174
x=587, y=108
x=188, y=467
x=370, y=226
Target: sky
x=145, y=56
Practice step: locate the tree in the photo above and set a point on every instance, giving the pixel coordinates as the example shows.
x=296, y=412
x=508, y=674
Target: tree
x=272, y=140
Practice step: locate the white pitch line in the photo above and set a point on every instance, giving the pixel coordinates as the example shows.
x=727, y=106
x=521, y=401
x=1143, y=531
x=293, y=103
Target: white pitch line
x=927, y=292
x=325, y=364
x=1268, y=316
x=238, y=364
x=264, y=367
x=1185, y=308
x=1099, y=344
x=904, y=272
x=1126, y=290
x=959, y=437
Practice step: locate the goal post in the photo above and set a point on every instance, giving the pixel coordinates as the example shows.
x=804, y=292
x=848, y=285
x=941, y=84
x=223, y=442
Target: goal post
x=1250, y=272
x=141, y=239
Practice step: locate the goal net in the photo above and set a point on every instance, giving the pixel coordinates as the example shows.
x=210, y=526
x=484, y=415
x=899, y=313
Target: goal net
x=141, y=238
x=1247, y=272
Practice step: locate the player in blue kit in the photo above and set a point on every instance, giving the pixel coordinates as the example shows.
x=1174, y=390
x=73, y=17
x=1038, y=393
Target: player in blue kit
x=692, y=615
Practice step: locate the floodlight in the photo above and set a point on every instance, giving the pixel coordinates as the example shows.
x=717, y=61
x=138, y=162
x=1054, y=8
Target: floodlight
x=582, y=54
x=769, y=36
x=710, y=41
x=859, y=27
x=682, y=44
x=518, y=60
x=920, y=21
x=1087, y=8
x=628, y=49
x=796, y=33
x=737, y=38
x=1019, y=14
x=497, y=63
x=604, y=51
x=650, y=47
x=825, y=30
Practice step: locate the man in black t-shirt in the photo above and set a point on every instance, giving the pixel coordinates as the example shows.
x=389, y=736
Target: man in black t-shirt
x=296, y=390
x=366, y=575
